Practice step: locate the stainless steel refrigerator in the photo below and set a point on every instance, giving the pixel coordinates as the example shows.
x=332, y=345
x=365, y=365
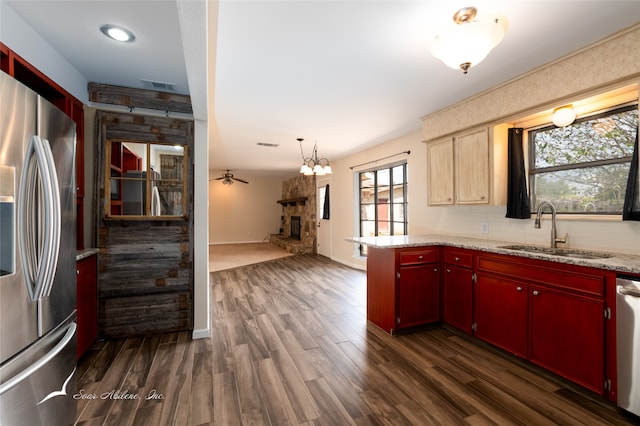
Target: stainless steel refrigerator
x=37, y=259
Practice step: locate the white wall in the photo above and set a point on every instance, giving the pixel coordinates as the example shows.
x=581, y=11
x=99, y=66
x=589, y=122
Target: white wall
x=344, y=222
x=201, y=306
x=198, y=21
x=594, y=234
x=30, y=45
x=241, y=213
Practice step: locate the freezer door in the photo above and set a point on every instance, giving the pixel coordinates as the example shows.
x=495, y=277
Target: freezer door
x=37, y=387
x=18, y=325
x=60, y=132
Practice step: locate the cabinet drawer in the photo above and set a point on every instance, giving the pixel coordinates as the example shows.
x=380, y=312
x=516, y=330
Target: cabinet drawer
x=417, y=257
x=565, y=277
x=459, y=258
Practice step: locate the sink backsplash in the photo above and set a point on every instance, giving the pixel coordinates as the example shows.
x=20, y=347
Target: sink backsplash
x=600, y=234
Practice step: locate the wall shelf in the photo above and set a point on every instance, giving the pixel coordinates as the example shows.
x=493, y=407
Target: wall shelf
x=294, y=201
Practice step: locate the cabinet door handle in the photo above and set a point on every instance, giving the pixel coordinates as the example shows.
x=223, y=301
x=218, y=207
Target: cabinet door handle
x=448, y=270
x=435, y=269
x=519, y=288
x=457, y=259
x=536, y=292
x=420, y=257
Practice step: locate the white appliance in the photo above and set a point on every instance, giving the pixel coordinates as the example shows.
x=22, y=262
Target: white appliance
x=628, y=343
x=37, y=259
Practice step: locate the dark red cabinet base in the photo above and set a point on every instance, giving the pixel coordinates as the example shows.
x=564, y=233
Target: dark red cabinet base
x=403, y=287
x=558, y=316
x=87, y=303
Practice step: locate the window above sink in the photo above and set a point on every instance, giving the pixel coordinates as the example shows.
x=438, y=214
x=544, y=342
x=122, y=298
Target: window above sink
x=584, y=167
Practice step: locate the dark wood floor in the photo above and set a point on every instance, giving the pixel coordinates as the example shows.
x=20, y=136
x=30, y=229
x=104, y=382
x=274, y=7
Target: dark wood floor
x=290, y=345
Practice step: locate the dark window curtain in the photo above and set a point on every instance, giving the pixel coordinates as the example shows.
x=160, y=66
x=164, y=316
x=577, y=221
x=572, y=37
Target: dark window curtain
x=325, y=212
x=518, y=204
x=631, y=209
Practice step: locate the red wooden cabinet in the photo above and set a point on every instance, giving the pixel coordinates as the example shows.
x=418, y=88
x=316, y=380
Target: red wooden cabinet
x=403, y=287
x=418, y=295
x=458, y=289
x=567, y=335
x=87, y=303
x=381, y=288
x=558, y=316
x=501, y=312
x=567, y=308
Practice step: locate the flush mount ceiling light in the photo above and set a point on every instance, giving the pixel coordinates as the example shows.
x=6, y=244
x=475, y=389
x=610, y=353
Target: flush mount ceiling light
x=117, y=33
x=314, y=165
x=469, y=40
x=563, y=116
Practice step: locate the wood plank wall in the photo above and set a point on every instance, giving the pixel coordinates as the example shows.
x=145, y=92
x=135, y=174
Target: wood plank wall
x=145, y=267
x=139, y=98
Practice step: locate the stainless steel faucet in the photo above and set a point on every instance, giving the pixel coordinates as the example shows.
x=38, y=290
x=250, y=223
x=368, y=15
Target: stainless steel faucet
x=554, y=233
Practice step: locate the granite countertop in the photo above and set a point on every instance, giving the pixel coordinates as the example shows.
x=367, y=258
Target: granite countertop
x=619, y=262
x=81, y=254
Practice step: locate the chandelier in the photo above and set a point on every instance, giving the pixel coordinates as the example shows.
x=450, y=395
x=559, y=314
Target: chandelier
x=471, y=38
x=314, y=165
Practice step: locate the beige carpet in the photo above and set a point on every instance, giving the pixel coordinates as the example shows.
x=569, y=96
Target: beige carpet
x=227, y=256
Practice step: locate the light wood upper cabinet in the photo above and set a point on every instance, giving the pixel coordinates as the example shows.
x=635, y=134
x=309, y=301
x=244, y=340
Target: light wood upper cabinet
x=468, y=168
x=440, y=172
x=472, y=168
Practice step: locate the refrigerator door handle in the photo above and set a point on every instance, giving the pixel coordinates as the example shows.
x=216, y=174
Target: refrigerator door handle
x=38, y=211
x=12, y=382
x=55, y=224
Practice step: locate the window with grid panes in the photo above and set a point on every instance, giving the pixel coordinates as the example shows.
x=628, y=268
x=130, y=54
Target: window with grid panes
x=383, y=202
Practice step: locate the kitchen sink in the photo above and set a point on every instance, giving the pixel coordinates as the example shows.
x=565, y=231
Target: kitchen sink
x=577, y=254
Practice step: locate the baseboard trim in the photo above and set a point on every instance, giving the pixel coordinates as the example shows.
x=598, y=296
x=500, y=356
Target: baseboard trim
x=350, y=264
x=203, y=333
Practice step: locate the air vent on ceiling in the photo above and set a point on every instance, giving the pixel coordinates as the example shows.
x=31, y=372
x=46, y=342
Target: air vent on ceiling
x=269, y=145
x=158, y=85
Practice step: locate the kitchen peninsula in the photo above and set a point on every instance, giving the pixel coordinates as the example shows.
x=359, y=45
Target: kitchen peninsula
x=555, y=309
x=618, y=262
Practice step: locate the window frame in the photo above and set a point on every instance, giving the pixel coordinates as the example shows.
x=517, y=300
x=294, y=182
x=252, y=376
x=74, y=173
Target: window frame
x=148, y=180
x=531, y=170
x=405, y=204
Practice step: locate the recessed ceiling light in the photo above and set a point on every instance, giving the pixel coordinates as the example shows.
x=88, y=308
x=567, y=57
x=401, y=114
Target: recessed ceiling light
x=117, y=33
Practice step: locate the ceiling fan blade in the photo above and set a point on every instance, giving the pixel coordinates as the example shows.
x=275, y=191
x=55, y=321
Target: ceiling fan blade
x=239, y=180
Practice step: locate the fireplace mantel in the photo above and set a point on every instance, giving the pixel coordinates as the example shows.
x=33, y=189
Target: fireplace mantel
x=294, y=201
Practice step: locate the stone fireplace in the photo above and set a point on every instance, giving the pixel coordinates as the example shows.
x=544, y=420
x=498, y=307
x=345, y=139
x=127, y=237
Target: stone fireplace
x=298, y=214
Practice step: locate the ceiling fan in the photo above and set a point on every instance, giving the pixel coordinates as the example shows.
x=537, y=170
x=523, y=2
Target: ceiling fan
x=227, y=178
